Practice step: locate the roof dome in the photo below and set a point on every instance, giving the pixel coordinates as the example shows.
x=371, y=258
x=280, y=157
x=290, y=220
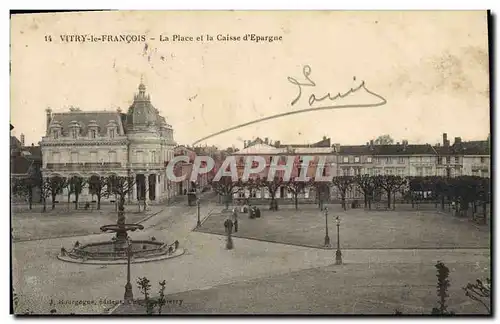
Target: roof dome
x=142, y=112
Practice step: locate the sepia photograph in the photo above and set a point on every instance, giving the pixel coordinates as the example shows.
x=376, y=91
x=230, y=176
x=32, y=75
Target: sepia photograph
x=250, y=163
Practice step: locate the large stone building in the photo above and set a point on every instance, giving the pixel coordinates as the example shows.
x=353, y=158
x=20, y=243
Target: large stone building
x=401, y=159
x=103, y=143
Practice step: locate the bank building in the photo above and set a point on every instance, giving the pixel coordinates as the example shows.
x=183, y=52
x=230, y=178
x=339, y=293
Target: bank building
x=103, y=143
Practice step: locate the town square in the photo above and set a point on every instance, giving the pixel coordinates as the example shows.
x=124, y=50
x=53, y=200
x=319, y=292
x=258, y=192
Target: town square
x=173, y=177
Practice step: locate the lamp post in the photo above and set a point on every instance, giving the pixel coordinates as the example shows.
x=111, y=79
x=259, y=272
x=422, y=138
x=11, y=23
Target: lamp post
x=129, y=295
x=198, y=224
x=327, y=238
x=338, y=254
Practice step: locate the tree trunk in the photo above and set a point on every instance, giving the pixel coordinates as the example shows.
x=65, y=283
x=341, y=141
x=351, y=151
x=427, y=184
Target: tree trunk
x=44, y=201
x=296, y=201
x=366, y=201
x=370, y=204
x=442, y=202
x=30, y=198
x=53, y=201
x=76, y=200
x=343, y=203
x=98, y=201
x=388, y=199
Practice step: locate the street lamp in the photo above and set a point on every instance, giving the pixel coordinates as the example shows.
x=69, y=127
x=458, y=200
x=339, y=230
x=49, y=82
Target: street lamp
x=198, y=224
x=129, y=295
x=327, y=238
x=338, y=254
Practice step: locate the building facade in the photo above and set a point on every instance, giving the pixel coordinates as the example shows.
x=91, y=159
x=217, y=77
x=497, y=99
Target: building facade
x=102, y=143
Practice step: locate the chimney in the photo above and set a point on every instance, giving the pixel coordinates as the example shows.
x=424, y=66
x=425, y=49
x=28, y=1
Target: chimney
x=277, y=144
x=22, y=140
x=266, y=140
x=458, y=140
x=48, y=112
x=405, y=145
x=445, y=139
x=244, y=144
x=337, y=147
x=324, y=138
x=371, y=145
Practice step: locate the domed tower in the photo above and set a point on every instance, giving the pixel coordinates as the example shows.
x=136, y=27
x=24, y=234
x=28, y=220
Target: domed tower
x=141, y=114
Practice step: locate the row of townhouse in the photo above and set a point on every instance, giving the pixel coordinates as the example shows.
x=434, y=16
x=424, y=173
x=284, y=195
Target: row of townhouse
x=401, y=159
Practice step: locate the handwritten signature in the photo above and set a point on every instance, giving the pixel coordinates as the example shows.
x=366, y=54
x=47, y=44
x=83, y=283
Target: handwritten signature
x=312, y=98
x=306, y=71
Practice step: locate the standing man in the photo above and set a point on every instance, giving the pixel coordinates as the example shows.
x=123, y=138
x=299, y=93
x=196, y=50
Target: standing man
x=228, y=224
x=235, y=219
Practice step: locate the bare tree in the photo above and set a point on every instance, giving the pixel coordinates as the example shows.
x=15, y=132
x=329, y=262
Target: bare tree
x=226, y=187
x=296, y=187
x=385, y=139
x=367, y=187
x=273, y=187
x=343, y=184
x=97, y=187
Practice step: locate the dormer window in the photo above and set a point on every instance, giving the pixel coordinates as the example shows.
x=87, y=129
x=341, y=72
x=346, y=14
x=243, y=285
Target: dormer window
x=74, y=129
x=55, y=129
x=112, y=129
x=93, y=129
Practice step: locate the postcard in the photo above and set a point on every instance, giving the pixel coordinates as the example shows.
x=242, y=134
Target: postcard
x=250, y=162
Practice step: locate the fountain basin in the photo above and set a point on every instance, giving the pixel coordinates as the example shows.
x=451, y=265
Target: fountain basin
x=115, y=252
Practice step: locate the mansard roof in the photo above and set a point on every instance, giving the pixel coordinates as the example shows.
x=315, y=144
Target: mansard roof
x=84, y=118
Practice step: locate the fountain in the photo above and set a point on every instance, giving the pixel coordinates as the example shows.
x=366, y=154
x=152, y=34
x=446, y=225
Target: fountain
x=117, y=250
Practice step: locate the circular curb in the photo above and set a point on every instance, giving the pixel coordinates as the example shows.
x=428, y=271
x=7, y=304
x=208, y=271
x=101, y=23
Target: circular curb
x=177, y=253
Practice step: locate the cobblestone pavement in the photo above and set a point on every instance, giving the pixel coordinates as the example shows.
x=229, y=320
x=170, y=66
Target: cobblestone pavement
x=358, y=228
x=39, y=278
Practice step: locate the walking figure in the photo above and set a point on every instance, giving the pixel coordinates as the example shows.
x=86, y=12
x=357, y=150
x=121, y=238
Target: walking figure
x=228, y=225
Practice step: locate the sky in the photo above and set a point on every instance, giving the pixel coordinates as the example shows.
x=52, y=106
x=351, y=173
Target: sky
x=431, y=68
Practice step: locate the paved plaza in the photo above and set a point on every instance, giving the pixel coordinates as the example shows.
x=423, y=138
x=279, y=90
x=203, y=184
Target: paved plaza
x=34, y=225
x=359, y=229
x=381, y=272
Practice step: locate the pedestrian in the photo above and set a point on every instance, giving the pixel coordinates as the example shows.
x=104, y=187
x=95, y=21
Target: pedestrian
x=235, y=220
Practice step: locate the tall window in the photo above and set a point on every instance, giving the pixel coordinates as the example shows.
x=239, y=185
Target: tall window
x=112, y=156
x=483, y=160
x=457, y=159
x=56, y=157
x=369, y=159
x=153, y=157
x=388, y=160
x=74, y=157
x=440, y=160
x=74, y=133
x=93, y=133
x=401, y=160
x=55, y=133
x=346, y=159
x=112, y=133
x=356, y=159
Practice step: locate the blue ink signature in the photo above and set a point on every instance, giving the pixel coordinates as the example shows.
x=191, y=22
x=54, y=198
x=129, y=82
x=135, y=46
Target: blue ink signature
x=306, y=71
